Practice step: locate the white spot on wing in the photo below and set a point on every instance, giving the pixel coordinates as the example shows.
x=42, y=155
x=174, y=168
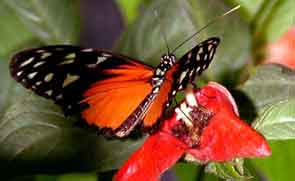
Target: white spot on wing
x=45, y=55
x=210, y=41
x=19, y=73
x=38, y=64
x=70, y=79
x=210, y=47
x=67, y=62
x=198, y=58
x=189, y=55
x=100, y=59
x=106, y=54
x=27, y=62
x=211, y=54
x=38, y=83
x=59, y=97
x=173, y=92
x=32, y=75
x=48, y=77
x=87, y=50
x=40, y=51
x=205, y=56
x=200, y=50
x=180, y=87
x=182, y=76
x=49, y=92
x=71, y=56
x=191, y=73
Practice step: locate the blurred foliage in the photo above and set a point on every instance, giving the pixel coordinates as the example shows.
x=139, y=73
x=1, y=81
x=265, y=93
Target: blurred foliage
x=129, y=9
x=35, y=137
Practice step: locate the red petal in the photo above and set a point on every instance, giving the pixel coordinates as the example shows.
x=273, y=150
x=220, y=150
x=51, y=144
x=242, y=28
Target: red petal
x=159, y=152
x=282, y=51
x=226, y=136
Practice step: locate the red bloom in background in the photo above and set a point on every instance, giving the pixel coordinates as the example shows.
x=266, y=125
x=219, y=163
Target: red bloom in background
x=283, y=50
x=206, y=125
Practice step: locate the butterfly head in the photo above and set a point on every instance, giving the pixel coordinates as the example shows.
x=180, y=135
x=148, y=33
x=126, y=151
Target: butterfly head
x=167, y=61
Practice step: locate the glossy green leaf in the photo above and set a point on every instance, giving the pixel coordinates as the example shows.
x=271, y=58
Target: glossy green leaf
x=229, y=170
x=187, y=171
x=277, y=122
x=35, y=137
x=274, y=18
x=178, y=19
x=52, y=21
x=6, y=82
x=269, y=85
x=280, y=165
x=12, y=32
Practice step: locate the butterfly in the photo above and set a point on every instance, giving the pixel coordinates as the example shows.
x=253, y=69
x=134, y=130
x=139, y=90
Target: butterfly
x=113, y=92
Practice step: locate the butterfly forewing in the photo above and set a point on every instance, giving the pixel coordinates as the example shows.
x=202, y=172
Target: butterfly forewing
x=194, y=62
x=63, y=73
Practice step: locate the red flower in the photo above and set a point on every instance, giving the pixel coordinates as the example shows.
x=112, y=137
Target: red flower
x=206, y=125
x=283, y=50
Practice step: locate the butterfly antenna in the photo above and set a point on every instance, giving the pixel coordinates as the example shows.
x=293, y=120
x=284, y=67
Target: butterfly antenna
x=204, y=27
x=162, y=33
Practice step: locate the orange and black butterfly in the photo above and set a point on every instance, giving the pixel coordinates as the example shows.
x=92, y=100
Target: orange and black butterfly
x=120, y=92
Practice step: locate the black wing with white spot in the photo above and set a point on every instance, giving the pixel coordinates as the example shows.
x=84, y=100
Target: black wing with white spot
x=63, y=73
x=195, y=62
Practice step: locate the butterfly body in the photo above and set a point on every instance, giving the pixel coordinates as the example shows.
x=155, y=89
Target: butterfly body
x=113, y=92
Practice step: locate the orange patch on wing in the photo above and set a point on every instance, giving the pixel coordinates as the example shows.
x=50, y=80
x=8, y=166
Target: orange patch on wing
x=127, y=72
x=158, y=106
x=111, y=104
x=112, y=100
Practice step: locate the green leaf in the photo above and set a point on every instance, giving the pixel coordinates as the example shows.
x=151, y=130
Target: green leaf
x=178, y=19
x=249, y=8
x=35, y=137
x=277, y=122
x=273, y=20
x=187, y=171
x=271, y=92
x=129, y=9
x=229, y=170
x=52, y=21
x=270, y=84
x=78, y=177
x=6, y=82
x=12, y=32
x=280, y=165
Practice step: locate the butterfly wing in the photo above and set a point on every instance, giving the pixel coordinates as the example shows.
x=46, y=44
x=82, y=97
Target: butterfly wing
x=112, y=86
x=194, y=62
